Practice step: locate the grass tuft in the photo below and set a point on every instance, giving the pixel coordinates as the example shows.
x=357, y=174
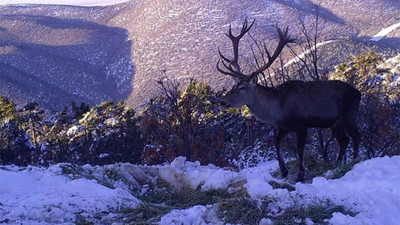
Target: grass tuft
x=343, y=169
x=283, y=185
x=240, y=210
x=181, y=199
x=146, y=213
x=317, y=213
x=75, y=172
x=157, y=204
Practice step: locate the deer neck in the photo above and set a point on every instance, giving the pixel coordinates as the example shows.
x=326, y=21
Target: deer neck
x=265, y=104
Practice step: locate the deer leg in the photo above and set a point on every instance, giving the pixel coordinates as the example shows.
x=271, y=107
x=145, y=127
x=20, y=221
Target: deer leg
x=355, y=137
x=281, y=134
x=341, y=137
x=301, y=142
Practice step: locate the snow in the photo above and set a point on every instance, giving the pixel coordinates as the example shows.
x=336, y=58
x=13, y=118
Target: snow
x=185, y=174
x=195, y=215
x=381, y=34
x=182, y=173
x=39, y=195
x=305, y=53
x=75, y=129
x=65, y=2
x=371, y=188
x=34, y=195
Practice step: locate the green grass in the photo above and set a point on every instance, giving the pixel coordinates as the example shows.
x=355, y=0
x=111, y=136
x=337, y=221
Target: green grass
x=241, y=210
x=157, y=204
x=343, y=169
x=181, y=199
x=76, y=172
x=146, y=213
x=318, y=213
x=284, y=185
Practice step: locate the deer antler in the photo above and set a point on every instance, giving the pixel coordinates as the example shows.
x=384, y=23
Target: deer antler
x=232, y=67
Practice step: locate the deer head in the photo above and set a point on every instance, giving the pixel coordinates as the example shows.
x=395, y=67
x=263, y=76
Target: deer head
x=242, y=93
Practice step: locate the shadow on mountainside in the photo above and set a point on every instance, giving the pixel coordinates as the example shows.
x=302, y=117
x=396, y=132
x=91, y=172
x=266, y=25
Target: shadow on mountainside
x=386, y=44
x=306, y=5
x=58, y=60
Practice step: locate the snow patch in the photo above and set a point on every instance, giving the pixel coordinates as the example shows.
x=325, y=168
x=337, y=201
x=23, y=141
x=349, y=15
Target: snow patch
x=44, y=195
x=384, y=32
x=372, y=188
x=303, y=54
x=195, y=215
x=74, y=130
x=185, y=174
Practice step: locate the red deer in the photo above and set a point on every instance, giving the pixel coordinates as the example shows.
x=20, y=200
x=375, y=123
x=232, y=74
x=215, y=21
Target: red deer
x=293, y=106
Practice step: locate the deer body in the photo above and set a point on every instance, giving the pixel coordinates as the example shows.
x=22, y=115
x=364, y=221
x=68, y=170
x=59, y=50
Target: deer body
x=293, y=106
x=296, y=106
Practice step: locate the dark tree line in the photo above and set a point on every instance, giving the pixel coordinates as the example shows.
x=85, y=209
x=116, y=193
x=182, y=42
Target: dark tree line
x=102, y=134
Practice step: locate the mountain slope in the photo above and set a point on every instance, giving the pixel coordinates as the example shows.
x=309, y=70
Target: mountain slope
x=55, y=59
x=56, y=54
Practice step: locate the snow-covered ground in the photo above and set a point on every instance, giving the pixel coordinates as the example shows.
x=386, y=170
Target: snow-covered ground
x=65, y=2
x=46, y=196
x=38, y=195
x=384, y=32
x=371, y=188
x=306, y=52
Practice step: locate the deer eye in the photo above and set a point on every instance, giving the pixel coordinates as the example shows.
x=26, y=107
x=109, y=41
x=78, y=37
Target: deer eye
x=242, y=88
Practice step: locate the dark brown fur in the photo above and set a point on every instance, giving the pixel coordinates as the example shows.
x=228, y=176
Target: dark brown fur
x=296, y=106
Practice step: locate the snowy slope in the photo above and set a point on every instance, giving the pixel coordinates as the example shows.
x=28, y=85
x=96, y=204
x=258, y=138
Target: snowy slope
x=29, y=195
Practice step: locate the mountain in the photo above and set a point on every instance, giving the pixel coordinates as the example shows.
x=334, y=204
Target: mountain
x=58, y=54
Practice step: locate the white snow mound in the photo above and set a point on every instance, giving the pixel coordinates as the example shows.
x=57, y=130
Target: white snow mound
x=371, y=189
x=37, y=195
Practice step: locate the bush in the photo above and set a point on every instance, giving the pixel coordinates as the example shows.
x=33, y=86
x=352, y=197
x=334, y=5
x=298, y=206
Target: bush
x=380, y=108
x=190, y=123
x=105, y=134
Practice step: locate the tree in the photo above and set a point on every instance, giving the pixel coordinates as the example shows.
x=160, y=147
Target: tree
x=180, y=122
x=7, y=109
x=78, y=111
